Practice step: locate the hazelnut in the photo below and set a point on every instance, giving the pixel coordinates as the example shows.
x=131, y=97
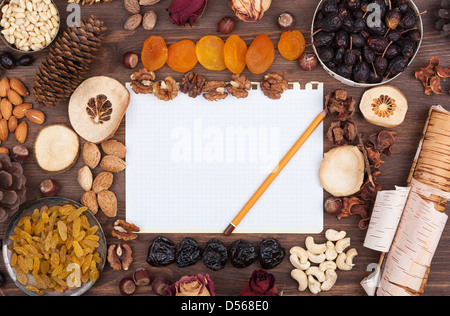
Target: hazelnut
x=19, y=153
x=226, y=25
x=308, y=61
x=127, y=287
x=159, y=286
x=49, y=187
x=130, y=60
x=286, y=21
x=141, y=277
x=334, y=206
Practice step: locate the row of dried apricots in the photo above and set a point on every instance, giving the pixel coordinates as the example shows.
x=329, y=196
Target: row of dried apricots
x=213, y=53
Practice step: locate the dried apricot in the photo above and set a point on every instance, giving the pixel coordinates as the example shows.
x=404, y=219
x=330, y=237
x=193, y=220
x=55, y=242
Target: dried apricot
x=154, y=53
x=234, y=52
x=209, y=50
x=182, y=56
x=260, y=54
x=291, y=45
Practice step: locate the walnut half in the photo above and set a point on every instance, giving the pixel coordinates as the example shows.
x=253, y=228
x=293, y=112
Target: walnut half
x=239, y=86
x=166, y=90
x=215, y=90
x=124, y=230
x=274, y=85
x=120, y=257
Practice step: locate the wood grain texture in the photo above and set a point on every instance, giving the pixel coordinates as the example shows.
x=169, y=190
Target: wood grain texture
x=230, y=281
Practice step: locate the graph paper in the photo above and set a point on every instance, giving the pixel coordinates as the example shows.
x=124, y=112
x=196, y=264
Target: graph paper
x=192, y=164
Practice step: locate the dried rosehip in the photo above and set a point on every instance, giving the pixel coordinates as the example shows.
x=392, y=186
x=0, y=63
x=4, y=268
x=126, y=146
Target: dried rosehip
x=381, y=64
x=397, y=66
x=377, y=43
x=271, y=253
x=162, y=252
x=332, y=22
x=393, y=18
x=323, y=39
x=361, y=71
x=308, y=61
x=342, y=40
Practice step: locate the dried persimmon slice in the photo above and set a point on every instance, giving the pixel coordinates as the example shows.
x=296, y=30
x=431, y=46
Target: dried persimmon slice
x=209, y=50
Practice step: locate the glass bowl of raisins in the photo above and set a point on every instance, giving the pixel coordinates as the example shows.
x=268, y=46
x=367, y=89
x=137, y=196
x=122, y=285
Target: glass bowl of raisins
x=54, y=247
x=366, y=43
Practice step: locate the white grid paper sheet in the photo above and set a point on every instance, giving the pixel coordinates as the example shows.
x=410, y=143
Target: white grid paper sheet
x=192, y=164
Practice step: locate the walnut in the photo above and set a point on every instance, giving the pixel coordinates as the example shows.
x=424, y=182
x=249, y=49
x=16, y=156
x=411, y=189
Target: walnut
x=143, y=81
x=239, y=86
x=120, y=257
x=166, y=90
x=274, y=85
x=124, y=230
x=192, y=84
x=99, y=109
x=215, y=90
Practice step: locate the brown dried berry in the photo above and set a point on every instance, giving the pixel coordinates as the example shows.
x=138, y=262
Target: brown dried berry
x=226, y=25
x=286, y=21
x=130, y=60
x=308, y=61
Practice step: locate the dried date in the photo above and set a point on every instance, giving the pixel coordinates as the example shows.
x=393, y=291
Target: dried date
x=162, y=252
x=242, y=253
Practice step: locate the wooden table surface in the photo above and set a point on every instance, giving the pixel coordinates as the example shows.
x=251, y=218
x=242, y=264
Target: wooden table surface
x=230, y=281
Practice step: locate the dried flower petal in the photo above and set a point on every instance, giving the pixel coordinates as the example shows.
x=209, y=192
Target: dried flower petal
x=182, y=12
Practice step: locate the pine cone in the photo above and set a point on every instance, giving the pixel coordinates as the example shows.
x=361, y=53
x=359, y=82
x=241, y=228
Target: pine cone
x=443, y=15
x=67, y=62
x=13, y=191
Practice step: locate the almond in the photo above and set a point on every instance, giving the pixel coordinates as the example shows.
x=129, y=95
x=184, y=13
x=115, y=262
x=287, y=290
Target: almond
x=91, y=155
x=132, y=6
x=19, y=87
x=114, y=148
x=107, y=201
x=85, y=178
x=89, y=199
x=35, y=116
x=12, y=124
x=133, y=22
x=112, y=164
x=21, y=110
x=102, y=182
x=4, y=87
x=22, y=132
x=6, y=108
x=14, y=97
x=4, y=132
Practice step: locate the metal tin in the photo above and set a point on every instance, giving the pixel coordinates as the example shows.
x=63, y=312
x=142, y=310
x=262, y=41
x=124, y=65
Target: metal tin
x=365, y=85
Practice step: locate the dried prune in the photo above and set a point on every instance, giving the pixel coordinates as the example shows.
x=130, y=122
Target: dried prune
x=7, y=61
x=215, y=255
x=188, y=253
x=242, y=253
x=332, y=22
x=271, y=253
x=162, y=252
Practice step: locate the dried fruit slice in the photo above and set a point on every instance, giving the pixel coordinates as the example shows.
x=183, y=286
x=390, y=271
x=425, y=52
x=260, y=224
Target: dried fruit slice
x=260, y=54
x=384, y=106
x=209, y=50
x=56, y=148
x=154, y=53
x=291, y=45
x=97, y=107
x=182, y=56
x=235, y=51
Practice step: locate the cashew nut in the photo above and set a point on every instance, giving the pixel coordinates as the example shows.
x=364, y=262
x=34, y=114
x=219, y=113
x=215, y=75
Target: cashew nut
x=351, y=254
x=327, y=265
x=300, y=253
x=314, y=248
x=334, y=235
x=314, y=285
x=296, y=262
x=301, y=278
x=316, y=258
x=342, y=244
x=330, y=281
x=341, y=262
x=331, y=252
x=315, y=271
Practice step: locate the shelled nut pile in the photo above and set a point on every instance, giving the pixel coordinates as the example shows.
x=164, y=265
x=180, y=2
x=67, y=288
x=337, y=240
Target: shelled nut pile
x=29, y=25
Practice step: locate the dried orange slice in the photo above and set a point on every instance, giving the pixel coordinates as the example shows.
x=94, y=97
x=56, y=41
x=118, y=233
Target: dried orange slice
x=209, y=50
